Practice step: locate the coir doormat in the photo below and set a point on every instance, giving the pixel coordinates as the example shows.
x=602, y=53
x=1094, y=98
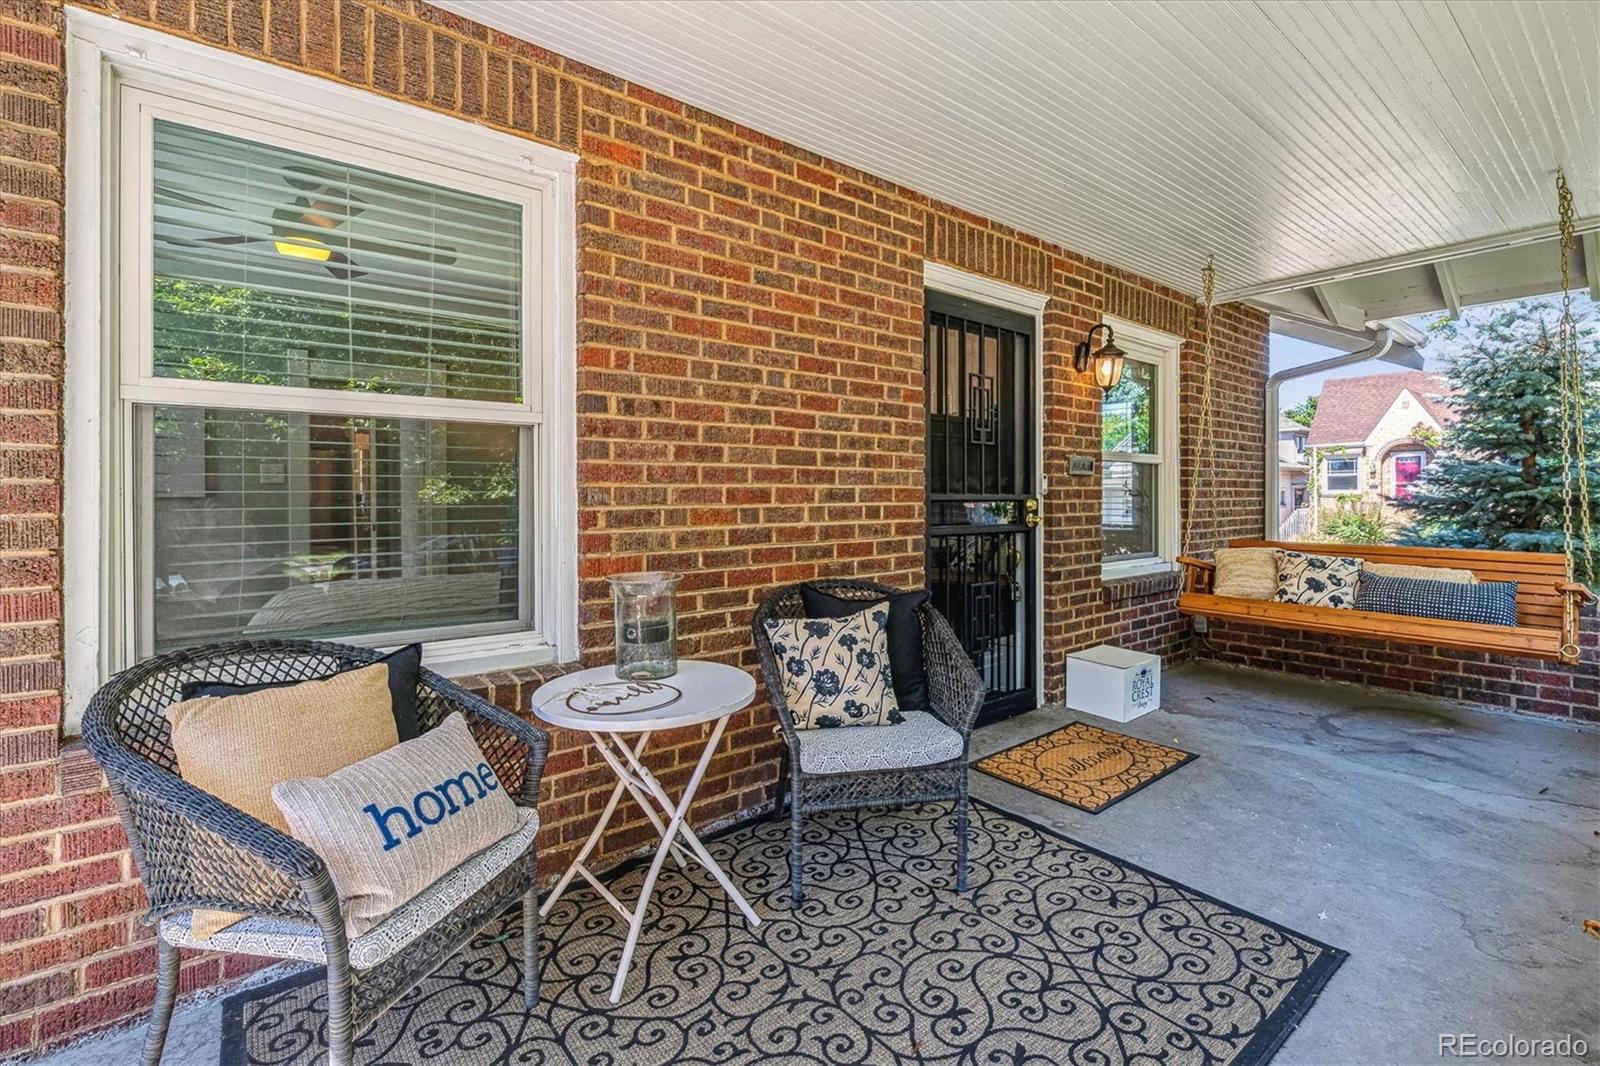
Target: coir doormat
x=1083, y=765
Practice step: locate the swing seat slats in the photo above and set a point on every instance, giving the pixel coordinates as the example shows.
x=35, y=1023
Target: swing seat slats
x=1543, y=591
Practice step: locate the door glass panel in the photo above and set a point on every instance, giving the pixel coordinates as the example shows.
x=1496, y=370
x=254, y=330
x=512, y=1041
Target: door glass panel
x=979, y=388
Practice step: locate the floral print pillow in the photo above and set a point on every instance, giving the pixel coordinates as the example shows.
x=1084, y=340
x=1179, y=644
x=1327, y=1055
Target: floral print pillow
x=836, y=670
x=1317, y=580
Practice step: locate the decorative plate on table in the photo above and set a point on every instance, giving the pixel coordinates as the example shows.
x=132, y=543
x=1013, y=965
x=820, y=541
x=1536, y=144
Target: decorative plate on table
x=622, y=697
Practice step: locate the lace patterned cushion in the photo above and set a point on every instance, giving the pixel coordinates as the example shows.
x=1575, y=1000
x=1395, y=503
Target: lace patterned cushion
x=393, y=824
x=836, y=670
x=1317, y=580
x=281, y=938
x=921, y=740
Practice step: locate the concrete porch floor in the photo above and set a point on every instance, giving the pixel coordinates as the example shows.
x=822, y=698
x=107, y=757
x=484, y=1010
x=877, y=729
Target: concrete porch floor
x=1454, y=853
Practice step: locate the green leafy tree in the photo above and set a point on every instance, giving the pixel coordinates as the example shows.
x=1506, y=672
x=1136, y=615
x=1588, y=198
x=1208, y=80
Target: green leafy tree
x=1303, y=412
x=1496, y=482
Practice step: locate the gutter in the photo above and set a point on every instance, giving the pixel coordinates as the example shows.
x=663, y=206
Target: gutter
x=1394, y=342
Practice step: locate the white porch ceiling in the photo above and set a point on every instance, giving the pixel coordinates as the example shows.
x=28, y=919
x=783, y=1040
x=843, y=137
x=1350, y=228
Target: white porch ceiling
x=1292, y=139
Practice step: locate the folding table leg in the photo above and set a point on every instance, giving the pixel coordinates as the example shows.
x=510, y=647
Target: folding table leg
x=603, y=743
x=684, y=828
x=674, y=827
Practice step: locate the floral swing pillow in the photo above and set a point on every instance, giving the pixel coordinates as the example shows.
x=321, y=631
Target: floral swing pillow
x=1317, y=580
x=836, y=670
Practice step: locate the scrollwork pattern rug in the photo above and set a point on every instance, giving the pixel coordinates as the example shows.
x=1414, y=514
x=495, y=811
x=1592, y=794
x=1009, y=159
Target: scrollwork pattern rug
x=1059, y=954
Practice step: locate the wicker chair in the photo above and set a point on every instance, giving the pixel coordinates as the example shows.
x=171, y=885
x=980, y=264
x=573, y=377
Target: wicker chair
x=195, y=851
x=829, y=769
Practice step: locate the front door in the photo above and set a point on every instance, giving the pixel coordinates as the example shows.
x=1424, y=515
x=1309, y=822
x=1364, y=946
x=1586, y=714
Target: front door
x=1407, y=468
x=982, y=511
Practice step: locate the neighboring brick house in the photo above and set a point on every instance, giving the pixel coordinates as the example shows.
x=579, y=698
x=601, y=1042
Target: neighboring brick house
x=1373, y=435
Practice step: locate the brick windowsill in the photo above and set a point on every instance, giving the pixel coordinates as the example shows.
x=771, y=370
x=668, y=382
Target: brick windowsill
x=1118, y=589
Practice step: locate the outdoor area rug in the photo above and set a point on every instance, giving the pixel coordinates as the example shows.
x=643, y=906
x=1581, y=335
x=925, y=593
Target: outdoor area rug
x=1058, y=954
x=1083, y=765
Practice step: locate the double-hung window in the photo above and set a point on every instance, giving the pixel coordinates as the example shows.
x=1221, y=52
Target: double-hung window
x=328, y=361
x=1138, y=440
x=1340, y=474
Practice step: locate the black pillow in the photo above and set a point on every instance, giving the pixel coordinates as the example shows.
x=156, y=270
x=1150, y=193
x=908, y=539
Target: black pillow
x=404, y=666
x=905, y=637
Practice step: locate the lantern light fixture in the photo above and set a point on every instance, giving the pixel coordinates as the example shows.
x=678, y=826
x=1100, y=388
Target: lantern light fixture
x=1105, y=362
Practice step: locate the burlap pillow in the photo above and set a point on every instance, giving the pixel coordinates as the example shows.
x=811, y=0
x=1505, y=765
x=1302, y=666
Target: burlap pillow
x=1250, y=573
x=390, y=826
x=238, y=747
x=1421, y=573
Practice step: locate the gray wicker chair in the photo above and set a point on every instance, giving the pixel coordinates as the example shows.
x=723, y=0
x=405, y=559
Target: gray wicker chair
x=826, y=774
x=195, y=851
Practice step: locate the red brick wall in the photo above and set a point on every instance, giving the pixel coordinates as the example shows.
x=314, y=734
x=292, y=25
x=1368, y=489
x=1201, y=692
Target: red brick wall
x=750, y=413
x=1526, y=685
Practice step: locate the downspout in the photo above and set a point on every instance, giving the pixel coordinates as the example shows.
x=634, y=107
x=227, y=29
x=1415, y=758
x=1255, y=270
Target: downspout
x=1380, y=347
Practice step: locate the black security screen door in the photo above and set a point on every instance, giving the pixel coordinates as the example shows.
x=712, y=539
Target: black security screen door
x=981, y=507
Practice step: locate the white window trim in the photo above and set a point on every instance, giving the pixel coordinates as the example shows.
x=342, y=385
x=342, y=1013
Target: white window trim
x=103, y=53
x=1326, y=487
x=1164, y=350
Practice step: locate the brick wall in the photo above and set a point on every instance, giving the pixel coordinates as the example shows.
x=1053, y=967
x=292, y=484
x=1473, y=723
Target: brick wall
x=750, y=413
x=1529, y=686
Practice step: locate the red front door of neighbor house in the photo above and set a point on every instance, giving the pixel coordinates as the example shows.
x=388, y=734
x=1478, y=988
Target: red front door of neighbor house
x=1407, y=468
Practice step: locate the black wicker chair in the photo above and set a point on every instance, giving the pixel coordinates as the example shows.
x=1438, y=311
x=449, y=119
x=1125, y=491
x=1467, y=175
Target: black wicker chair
x=955, y=692
x=195, y=851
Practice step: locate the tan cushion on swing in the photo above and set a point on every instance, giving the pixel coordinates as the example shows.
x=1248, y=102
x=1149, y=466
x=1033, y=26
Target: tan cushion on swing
x=1424, y=573
x=1249, y=573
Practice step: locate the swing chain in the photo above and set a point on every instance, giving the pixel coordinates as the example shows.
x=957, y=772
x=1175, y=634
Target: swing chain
x=1206, y=456
x=1573, y=417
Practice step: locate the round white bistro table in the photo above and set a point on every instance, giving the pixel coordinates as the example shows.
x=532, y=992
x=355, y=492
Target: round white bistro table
x=611, y=710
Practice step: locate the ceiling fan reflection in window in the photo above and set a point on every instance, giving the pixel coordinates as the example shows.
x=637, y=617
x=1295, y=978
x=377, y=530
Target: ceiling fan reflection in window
x=309, y=227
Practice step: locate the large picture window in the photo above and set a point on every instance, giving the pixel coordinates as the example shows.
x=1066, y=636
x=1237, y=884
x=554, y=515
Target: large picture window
x=1138, y=441
x=327, y=352
x=274, y=268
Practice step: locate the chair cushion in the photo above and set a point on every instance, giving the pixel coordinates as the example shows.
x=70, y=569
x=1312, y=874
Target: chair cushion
x=280, y=938
x=405, y=665
x=1317, y=580
x=1491, y=603
x=920, y=740
x=1249, y=573
x=905, y=638
x=836, y=671
x=238, y=747
x=394, y=823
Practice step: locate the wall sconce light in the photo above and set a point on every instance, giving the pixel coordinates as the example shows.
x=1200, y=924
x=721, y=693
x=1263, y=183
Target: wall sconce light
x=1106, y=363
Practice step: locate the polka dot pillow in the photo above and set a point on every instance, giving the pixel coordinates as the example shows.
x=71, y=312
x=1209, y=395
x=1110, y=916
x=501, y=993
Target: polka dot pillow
x=1492, y=603
x=836, y=670
x=1317, y=580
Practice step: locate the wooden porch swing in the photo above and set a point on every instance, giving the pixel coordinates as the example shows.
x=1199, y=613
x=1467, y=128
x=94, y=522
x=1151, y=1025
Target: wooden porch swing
x=1549, y=596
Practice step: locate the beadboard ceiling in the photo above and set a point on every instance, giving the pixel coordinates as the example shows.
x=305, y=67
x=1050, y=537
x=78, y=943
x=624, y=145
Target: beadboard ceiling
x=1295, y=139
